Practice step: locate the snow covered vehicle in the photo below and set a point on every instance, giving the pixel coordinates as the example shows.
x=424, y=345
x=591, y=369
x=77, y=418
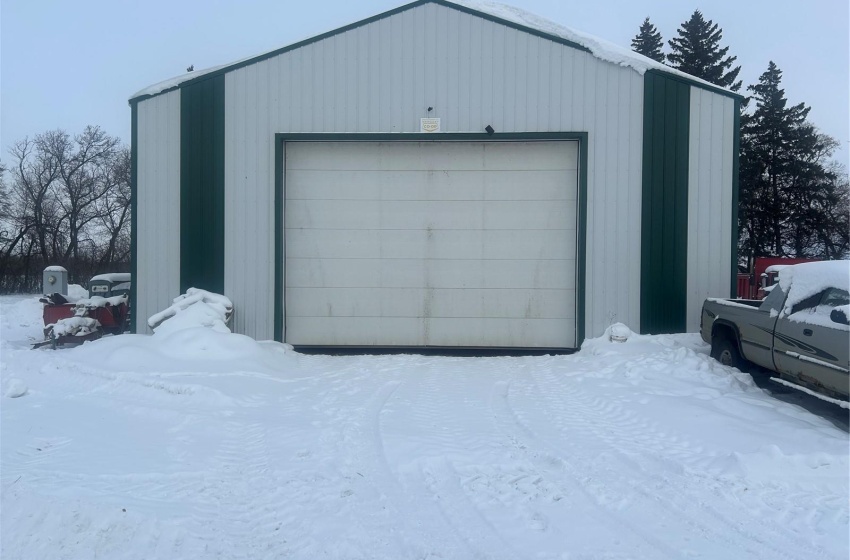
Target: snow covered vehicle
x=800, y=330
x=74, y=320
x=110, y=284
x=85, y=319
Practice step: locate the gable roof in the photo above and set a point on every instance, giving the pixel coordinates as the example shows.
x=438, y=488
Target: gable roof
x=503, y=14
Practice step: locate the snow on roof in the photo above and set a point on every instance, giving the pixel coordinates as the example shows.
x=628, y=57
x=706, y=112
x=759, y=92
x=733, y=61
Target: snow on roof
x=600, y=48
x=177, y=80
x=801, y=281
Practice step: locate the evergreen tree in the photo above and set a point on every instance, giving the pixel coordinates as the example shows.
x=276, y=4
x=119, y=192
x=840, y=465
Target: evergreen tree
x=792, y=203
x=648, y=42
x=696, y=51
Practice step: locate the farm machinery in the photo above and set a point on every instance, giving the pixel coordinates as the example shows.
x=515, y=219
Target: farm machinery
x=72, y=321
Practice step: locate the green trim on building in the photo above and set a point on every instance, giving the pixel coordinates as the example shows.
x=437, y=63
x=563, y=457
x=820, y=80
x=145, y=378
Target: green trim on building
x=279, y=254
x=664, y=213
x=134, y=209
x=736, y=149
x=581, y=238
x=202, y=186
x=280, y=194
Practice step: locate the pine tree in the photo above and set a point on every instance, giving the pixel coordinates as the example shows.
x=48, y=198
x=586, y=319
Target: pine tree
x=792, y=203
x=696, y=51
x=648, y=42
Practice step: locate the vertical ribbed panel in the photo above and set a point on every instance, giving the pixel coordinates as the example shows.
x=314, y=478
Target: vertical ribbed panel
x=202, y=185
x=664, y=224
x=158, y=229
x=382, y=77
x=709, y=200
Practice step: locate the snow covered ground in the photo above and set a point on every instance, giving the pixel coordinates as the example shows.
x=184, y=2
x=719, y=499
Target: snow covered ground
x=210, y=445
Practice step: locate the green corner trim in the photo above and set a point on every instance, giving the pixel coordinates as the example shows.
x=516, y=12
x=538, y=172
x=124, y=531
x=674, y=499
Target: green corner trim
x=736, y=149
x=279, y=256
x=134, y=210
x=581, y=239
x=202, y=186
x=279, y=189
x=664, y=210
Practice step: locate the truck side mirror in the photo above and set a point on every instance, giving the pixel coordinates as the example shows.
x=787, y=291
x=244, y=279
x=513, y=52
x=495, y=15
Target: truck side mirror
x=838, y=316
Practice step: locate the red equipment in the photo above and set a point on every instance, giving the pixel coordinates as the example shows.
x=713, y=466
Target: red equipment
x=113, y=318
x=750, y=285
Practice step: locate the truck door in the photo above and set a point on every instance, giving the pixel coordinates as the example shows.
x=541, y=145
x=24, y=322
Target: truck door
x=757, y=334
x=811, y=346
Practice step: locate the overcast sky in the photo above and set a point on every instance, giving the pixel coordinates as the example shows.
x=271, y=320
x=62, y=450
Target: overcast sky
x=68, y=64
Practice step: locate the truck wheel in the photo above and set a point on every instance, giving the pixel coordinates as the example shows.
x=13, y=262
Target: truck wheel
x=726, y=352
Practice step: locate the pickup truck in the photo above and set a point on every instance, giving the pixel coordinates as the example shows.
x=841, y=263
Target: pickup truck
x=800, y=330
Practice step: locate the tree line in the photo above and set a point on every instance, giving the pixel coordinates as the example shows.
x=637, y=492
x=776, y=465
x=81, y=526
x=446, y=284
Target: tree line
x=794, y=200
x=64, y=201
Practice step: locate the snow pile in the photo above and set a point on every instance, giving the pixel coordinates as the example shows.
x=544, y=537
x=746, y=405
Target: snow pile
x=74, y=326
x=199, y=349
x=618, y=332
x=801, y=281
x=15, y=388
x=112, y=277
x=75, y=294
x=190, y=335
x=98, y=301
x=688, y=354
x=776, y=268
x=195, y=308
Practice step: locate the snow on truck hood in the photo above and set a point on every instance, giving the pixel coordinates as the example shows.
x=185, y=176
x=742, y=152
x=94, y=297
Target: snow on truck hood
x=804, y=280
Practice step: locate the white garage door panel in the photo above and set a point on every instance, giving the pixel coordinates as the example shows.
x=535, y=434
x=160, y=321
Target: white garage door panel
x=423, y=302
x=399, y=331
x=517, y=244
x=441, y=156
x=440, y=273
x=431, y=243
x=313, y=184
x=427, y=214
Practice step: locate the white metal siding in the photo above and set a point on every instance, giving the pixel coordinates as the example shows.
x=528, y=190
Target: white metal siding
x=709, y=200
x=158, y=214
x=382, y=77
x=435, y=243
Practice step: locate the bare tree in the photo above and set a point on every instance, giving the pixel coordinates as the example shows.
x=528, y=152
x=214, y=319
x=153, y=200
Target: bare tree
x=66, y=202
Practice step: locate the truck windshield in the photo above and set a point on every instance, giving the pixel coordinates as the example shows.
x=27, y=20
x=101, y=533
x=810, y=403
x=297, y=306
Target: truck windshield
x=774, y=300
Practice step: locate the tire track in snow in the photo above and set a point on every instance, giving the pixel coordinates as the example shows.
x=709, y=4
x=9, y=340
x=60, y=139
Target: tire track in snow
x=572, y=476
x=634, y=446
x=237, y=512
x=443, y=432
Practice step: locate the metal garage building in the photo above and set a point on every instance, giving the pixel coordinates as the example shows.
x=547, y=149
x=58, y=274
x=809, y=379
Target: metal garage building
x=445, y=174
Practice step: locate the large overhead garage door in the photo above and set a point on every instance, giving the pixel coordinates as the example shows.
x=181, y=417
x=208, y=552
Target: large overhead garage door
x=469, y=244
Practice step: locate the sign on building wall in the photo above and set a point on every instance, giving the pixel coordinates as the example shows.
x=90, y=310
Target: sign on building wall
x=429, y=125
